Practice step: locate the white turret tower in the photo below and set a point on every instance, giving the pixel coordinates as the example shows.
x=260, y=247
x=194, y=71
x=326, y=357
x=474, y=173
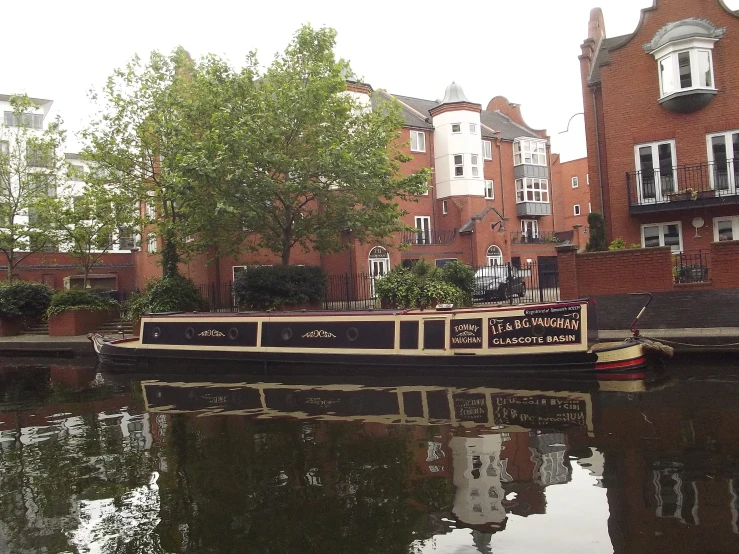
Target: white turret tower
x=457, y=145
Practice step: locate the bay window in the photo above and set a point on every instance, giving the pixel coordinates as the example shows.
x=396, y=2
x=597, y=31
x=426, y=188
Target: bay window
x=529, y=151
x=532, y=190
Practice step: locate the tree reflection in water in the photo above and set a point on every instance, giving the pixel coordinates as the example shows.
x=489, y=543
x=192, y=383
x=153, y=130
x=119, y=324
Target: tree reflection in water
x=281, y=468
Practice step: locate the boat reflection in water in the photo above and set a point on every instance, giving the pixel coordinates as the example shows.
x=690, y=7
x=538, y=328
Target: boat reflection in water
x=491, y=439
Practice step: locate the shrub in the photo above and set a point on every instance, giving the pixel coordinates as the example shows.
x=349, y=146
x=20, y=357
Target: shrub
x=267, y=287
x=597, y=226
x=175, y=293
x=461, y=276
x=78, y=299
x=419, y=287
x=24, y=299
x=617, y=244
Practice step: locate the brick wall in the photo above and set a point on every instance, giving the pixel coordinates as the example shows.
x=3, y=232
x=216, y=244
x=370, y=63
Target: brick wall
x=610, y=277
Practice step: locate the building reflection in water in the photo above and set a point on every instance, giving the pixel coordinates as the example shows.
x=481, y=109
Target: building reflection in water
x=76, y=461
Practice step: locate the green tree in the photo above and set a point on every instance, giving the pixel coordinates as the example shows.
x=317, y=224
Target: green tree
x=87, y=220
x=131, y=138
x=597, y=224
x=294, y=158
x=31, y=170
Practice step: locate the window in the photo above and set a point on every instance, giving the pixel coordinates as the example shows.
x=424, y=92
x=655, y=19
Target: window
x=441, y=262
x=487, y=150
x=37, y=156
x=473, y=128
x=76, y=172
x=30, y=120
x=444, y=207
x=532, y=190
x=656, y=176
x=456, y=127
x=458, y=165
x=494, y=256
x=473, y=162
x=587, y=178
x=418, y=141
x=726, y=228
x=151, y=243
x=576, y=209
x=590, y=208
x=126, y=239
x=662, y=234
x=423, y=224
x=723, y=159
x=529, y=229
x=236, y=269
x=4, y=147
x=529, y=151
x=151, y=211
x=685, y=70
x=489, y=190
x=575, y=183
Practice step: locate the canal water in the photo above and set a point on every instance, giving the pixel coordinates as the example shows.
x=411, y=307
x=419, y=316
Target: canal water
x=95, y=462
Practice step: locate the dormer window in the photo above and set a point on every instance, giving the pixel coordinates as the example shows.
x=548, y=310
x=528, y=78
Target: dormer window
x=684, y=54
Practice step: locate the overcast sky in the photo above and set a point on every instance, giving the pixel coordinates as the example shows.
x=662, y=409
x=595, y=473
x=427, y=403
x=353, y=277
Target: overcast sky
x=524, y=50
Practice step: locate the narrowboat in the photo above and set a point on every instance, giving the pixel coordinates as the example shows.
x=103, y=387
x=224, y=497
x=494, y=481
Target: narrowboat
x=559, y=337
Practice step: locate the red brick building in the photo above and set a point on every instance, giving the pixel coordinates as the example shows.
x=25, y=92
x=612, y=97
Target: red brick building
x=662, y=125
x=571, y=199
x=490, y=199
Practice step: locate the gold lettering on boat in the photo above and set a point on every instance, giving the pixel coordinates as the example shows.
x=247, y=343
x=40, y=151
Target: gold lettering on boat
x=211, y=333
x=318, y=334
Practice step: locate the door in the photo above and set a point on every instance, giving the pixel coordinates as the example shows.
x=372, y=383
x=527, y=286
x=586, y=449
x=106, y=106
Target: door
x=423, y=235
x=656, y=165
x=379, y=265
x=723, y=160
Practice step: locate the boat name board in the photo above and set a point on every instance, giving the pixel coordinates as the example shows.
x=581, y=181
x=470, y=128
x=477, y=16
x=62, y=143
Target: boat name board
x=466, y=333
x=544, y=327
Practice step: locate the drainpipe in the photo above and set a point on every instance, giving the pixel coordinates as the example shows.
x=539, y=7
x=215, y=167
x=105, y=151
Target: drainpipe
x=597, y=150
x=500, y=165
x=551, y=187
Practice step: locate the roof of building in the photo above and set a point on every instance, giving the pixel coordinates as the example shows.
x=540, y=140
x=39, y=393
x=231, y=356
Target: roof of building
x=37, y=101
x=416, y=113
x=603, y=56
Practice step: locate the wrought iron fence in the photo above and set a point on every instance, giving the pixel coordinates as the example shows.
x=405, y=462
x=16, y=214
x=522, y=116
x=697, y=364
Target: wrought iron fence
x=533, y=282
x=690, y=268
x=428, y=236
x=682, y=182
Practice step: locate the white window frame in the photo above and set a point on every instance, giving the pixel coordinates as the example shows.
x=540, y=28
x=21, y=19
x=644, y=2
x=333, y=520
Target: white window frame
x=475, y=164
x=151, y=243
x=528, y=188
x=487, y=150
x=587, y=178
x=575, y=182
x=676, y=248
x=669, y=57
x=151, y=211
x=530, y=225
x=458, y=127
x=576, y=209
x=236, y=269
x=494, y=255
x=733, y=220
x=590, y=208
x=423, y=224
x=529, y=151
x=420, y=141
x=473, y=128
x=662, y=187
x=444, y=207
x=732, y=163
x=5, y=147
x=458, y=165
x=489, y=189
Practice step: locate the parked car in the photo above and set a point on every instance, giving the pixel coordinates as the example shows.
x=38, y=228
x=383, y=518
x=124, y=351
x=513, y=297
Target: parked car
x=498, y=282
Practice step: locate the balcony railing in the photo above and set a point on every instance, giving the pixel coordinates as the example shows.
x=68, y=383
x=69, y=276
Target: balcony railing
x=429, y=236
x=676, y=188
x=557, y=237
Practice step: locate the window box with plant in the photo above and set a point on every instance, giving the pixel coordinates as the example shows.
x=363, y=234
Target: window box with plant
x=77, y=312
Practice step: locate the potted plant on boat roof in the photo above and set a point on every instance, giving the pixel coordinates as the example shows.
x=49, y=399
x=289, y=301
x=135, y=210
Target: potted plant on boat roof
x=77, y=312
x=21, y=303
